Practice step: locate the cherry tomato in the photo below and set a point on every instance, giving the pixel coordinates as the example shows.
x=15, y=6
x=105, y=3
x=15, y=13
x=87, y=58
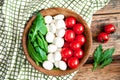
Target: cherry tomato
x=66, y=52
x=65, y=59
x=78, y=53
x=70, y=21
x=78, y=28
x=69, y=35
x=73, y=62
x=75, y=45
x=102, y=37
x=81, y=39
x=66, y=44
x=110, y=28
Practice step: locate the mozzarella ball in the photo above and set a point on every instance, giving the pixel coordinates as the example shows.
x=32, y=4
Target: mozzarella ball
x=62, y=65
x=50, y=37
x=57, y=56
x=50, y=57
x=59, y=42
x=59, y=24
x=48, y=65
x=52, y=48
x=59, y=16
x=48, y=26
x=60, y=32
x=52, y=28
x=48, y=19
x=56, y=63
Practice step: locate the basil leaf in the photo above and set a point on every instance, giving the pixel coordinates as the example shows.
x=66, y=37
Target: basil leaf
x=98, y=53
x=42, y=53
x=35, y=56
x=44, y=42
x=40, y=42
x=97, y=56
x=106, y=62
x=107, y=54
x=39, y=25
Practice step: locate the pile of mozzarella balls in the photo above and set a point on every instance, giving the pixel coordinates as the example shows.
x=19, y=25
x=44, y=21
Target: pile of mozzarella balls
x=56, y=31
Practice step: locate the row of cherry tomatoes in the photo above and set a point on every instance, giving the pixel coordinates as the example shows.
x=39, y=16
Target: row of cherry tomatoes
x=74, y=40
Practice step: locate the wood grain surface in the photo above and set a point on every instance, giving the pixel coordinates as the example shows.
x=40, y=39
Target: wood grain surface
x=109, y=14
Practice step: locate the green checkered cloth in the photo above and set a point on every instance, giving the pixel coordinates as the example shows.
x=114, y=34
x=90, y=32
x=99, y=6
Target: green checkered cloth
x=14, y=14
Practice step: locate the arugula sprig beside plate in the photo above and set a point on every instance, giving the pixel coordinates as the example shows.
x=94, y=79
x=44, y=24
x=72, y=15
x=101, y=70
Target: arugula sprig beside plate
x=102, y=57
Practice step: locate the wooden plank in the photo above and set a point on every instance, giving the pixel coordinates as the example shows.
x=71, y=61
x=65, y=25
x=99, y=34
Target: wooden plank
x=110, y=72
x=99, y=21
x=109, y=14
x=112, y=7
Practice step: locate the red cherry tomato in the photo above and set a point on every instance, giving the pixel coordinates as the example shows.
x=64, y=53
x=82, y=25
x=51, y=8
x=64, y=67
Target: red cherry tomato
x=110, y=28
x=66, y=44
x=75, y=45
x=70, y=21
x=78, y=28
x=73, y=62
x=66, y=53
x=65, y=59
x=81, y=39
x=78, y=53
x=69, y=35
x=102, y=37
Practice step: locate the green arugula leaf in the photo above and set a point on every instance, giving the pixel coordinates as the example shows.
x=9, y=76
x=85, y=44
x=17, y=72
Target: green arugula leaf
x=107, y=53
x=106, y=62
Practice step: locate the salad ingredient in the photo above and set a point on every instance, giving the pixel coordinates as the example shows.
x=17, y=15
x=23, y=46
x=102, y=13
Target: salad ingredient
x=48, y=19
x=65, y=59
x=59, y=42
x=44, y=42
x=48, y=65
x=78, y=53
x=109, y=28
x=50, y=57
x=56, y=63
x=66, y=53
x=62, y=65
x=81, y=39
x=78, y=28
x=66, y=44
x=74, y=45
x=59, y=16
x=35, y=56
x=59, y=24
x=52, y=48
x=102, y=58
x=57, y=56
x=102, y=37
x=50, y=37
x=60, y=32
x=70, y=21
x=42, y=53
x=69, y=35
x=38, y=25
x=52, y=28
x=73, y=62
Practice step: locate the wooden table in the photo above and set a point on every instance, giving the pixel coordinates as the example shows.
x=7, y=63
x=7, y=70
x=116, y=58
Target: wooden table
x=109, y=14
